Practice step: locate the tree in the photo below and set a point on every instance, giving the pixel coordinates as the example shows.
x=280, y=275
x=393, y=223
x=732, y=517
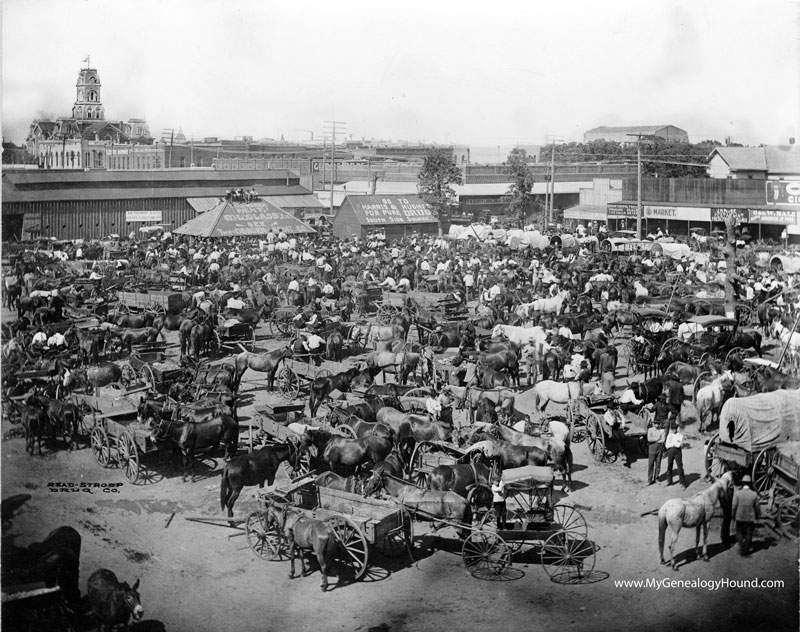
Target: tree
x=520, y=193
x=438, y=172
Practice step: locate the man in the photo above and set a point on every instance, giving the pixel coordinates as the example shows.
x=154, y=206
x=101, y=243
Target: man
x=628, y=401
x=56, y=340
x=294, y=284
x=499, y=499
x=655, y=449
x=388, y=283
x=745, y=513
x=674, y=446
x=39, y=341
x=314, y=343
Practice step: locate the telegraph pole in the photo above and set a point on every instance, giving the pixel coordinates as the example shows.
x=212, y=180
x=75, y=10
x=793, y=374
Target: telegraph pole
x=330, y=127
x=171, y=139
x=551, y=185
x=639, y=138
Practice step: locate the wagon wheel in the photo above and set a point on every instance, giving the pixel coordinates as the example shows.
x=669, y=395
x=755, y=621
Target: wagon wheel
x=788, y=520
x=283, y=326
x=346, y=431
x=746, y=314
x=386, y=313
x=670, y=344
x=301, y=468
x=567, y=558
x=714, y=466
x=146, y=375
x=577, y=423
x=322, y=372
x=762, y=471
x=155, y=309
x=263, y=539
x=128, y=374
x=352, y=554
x=399, y=540
x=417, y=461
x=123, y=308
x=569, y=520
x=517, y=519
x=418, y=392
x=101, y=447
x=733, y=352
x=289, y=383
x=700, y=381
x=629, y=351
x=486, y=555
x=128, y=456
x=250, y=342
x=596, y=439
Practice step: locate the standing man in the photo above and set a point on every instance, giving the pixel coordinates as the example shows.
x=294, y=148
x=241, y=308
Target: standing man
x=499, y=499
x=656, y=436
x=674, y=446
x=745, y=513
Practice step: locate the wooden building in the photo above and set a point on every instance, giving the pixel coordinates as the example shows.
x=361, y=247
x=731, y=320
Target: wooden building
x=398, y=216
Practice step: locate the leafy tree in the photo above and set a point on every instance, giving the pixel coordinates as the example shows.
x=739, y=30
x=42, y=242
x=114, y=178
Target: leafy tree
x=520, y=193
x=438, y=172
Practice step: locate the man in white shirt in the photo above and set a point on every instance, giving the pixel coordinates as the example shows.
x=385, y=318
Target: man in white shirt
x=389, y=283
x=314, y=343
x=56, y=340
x=395, y=252
x=674, y=448
x=425, y=266
x=39, y=340
x=469, y=283
x=328, y=290
x=293, y=285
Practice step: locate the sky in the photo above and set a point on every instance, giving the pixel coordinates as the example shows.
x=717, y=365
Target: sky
x=444, y=71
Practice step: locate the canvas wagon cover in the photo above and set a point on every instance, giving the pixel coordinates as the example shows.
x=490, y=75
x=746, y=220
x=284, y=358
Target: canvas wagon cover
x=761, y=421
x=675, y=251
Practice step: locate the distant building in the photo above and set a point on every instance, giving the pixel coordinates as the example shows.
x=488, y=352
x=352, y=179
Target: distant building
x=775, y=162
x=86, y=140
x=623, y=134
x=498, y=154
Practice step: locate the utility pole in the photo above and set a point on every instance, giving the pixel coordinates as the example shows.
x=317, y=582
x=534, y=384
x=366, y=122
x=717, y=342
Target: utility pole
x=330, y=127
x=551, y=185
x=639, y=138
x=171, y=139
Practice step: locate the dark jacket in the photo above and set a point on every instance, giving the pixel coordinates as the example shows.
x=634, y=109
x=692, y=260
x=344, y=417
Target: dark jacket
x=745, y=505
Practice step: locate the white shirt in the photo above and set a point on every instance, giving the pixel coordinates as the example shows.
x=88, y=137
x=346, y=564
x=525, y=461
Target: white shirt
x=313, y=342
x=56, y=340
x=328, y=289
x=674, y=440
x=39, y=338
x=294, y=285
x=425, y=266
x=469, y=280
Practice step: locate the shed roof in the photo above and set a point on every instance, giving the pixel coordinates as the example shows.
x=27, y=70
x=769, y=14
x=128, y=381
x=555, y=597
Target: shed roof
x=783, y=159
x=632, y=129
x=232, y=219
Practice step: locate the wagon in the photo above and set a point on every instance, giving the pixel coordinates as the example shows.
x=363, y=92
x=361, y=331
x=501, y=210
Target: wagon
x=714, y=341
x=156, y=302
x=428, y=455
x=785, y=491
x=604, y=443
x=535, y=518
x=36, y=607
x=368, y=297
x=231, y=334
x=118, y=439
x=361, y=525
x=751, y=430
x=153, y=369
x=302, y=368
x=280, y=321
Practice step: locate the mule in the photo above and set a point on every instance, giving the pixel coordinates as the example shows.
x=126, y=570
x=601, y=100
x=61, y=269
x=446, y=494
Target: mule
x=304, y=534
x=113, y=602
x=696, y=512
x=190, y=437
x=256, y=469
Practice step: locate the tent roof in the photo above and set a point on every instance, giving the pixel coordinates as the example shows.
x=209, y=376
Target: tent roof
x=231, y=219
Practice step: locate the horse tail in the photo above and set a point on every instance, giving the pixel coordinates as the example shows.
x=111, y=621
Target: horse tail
x=662, y=529
x=225, y=488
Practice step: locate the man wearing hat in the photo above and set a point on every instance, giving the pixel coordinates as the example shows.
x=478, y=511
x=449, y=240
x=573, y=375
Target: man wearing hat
x=655, y=441
x=745, y=513
x=499, y=499
x=674, y=447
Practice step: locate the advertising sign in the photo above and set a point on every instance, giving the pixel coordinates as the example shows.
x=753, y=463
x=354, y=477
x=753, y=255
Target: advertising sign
x=685, y=213
x=143, y=216
x=392, y=210
x=621, y=210
x=741, y=215
x=773, y=216
x=783, y=192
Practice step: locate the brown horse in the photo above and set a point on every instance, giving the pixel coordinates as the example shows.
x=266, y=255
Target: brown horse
x=255, y=469
x=344, y=456
x=321, y=387
x=470, y=480
x=304, y=533
x=190, y=437
x=502, y=361
x=262, y=362
x=96, y=375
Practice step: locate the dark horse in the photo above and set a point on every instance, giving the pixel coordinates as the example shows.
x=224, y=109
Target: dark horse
x=191, y=436
x=56, y=560
x=256, y=468
x=321, y=387
x=344, y=455
x=304, y=533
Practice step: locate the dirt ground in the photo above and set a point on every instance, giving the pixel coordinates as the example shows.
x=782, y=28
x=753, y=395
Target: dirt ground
x=196, y=577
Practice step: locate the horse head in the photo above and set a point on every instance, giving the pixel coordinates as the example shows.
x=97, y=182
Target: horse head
x=374, y=483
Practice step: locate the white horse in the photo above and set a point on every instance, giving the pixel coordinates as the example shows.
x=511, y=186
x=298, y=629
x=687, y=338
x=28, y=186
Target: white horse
x=548, y=391
x=785, y=335
x=696, y=512
x=709, y=398
x=552, y=305
x=521, y=335
x=640, y=289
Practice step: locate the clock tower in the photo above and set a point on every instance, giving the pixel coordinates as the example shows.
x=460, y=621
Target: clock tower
x=87, y=103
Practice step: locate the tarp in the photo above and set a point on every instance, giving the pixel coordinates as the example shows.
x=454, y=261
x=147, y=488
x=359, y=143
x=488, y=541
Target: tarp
x=473, y=231
x=790, y=265
x=761, y=421
x=232, y=219
x=673, y=250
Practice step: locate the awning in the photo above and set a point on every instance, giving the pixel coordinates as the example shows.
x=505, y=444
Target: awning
x=587, y=211
x=232, y=219
x=201, y=205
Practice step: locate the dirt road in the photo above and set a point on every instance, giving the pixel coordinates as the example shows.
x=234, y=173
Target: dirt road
x=195, y=577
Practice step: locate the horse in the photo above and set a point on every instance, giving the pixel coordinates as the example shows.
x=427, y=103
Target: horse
x=649, y=390
x=367, y=409
x=255, y=469
x=333, y=346
x=262, y=362
x=113, y=603
x=88, y=343
x=190, y=436
x=747, y=340
x=709, y=398
x=502, y=360
x=696, y=512
x=304, y=533
x=133, y=321
x=96, y=375
x=351, y=484
x=548, y=391
x=471, y=397
x=459, y=478
x=35, y=425
x=433, y=504
x=509, y=455
x=403, y=363
x=321, y=387
x=520, y=335
x=64, y=418
x=343, y=455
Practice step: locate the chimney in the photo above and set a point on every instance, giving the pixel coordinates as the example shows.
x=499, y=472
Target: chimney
x=791, y=140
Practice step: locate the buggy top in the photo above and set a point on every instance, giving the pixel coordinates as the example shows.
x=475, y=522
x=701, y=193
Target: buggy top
x=713, y=321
